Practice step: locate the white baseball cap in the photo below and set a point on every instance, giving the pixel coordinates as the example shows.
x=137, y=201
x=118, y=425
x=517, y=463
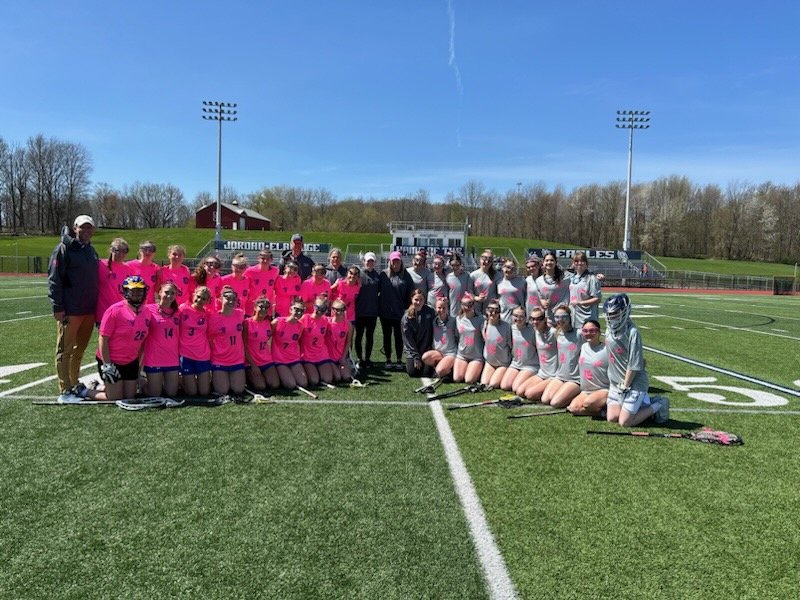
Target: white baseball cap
x=369, y=256
x=82, y=220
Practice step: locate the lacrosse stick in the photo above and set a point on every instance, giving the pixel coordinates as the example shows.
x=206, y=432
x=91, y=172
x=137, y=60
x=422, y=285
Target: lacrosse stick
x=429, y=388
x=469, y=389
x=308, y=393
x=508, y=401
x=541, y=413
x=258, y=398
x=142, y=403
x=81, y=403
x=357, y=384
x=705, y=435
x=328, y=385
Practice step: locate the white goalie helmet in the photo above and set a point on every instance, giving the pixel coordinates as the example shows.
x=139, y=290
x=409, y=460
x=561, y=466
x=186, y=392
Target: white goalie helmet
x=618, y=311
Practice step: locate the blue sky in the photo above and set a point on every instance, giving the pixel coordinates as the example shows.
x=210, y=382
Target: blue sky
x=379, y=98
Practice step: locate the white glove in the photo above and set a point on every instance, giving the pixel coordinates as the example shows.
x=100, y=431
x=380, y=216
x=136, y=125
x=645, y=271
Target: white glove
x=110, y=373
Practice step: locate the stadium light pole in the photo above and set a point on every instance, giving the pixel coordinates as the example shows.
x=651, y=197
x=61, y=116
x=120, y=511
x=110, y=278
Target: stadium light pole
x=630, y=119
x=219, y=111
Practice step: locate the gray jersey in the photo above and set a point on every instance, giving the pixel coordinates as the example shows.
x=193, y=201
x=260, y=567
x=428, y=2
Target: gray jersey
x=557, y=292
x=445, y=338
x=583, y=288
x=470, y=338
x=624, y=353
x=482, y=282
x=510, y=294
x=497, y=344
x=457, y=286
x=523, y=349
x=421, y=280
x=569, y=351
x=547, y=350
x=531, y=295
x=594, y=368
x=437, y=288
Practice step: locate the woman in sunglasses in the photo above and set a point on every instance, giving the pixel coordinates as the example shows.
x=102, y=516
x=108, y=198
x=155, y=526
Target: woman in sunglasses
x=238, y=281
x=469, y=356
x=567, y=383
x=547, y=351
x=111, y=272
x=316, y=358
x=261, y=371
x=286, y=352
x=496, y=346
x=161, y=358
x=207, y=274
x=178, y=274
x=593, y=364
x=287, y=289
x=195, y=352
x=340, y=332
x=227, y=344
x=524, y=359
x=144, y=267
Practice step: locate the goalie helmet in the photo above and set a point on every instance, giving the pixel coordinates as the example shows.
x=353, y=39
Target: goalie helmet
x=618, y=312
x=131, y=283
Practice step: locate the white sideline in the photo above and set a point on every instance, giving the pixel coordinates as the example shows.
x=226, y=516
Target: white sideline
x=37, y=382
x=494, y=567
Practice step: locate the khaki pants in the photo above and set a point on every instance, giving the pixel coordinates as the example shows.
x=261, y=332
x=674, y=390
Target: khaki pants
x=72, y=337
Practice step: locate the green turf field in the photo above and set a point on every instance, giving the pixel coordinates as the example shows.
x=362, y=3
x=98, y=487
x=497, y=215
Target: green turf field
x=358, y=496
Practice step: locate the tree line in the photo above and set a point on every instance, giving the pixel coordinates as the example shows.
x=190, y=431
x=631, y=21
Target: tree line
x=46, y=181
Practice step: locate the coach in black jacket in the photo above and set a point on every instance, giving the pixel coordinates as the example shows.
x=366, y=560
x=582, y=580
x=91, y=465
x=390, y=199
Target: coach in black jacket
x=417, y=328
x=396, y=286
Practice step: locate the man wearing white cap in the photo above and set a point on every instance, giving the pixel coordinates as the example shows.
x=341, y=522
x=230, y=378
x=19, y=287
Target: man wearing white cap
x=72, y=289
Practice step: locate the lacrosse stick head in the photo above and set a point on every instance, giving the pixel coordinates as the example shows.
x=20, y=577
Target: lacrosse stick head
x=711, y=436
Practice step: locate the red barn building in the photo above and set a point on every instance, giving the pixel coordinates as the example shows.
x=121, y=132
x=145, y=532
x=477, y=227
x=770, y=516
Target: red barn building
x=233, y=217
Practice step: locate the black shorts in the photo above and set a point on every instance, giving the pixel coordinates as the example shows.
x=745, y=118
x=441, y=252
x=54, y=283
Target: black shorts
x=129, y=372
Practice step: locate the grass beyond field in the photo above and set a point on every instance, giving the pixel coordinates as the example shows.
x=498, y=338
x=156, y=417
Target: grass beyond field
x=353, y=497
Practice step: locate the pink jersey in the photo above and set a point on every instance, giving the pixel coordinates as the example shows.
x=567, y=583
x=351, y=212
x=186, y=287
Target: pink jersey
x=259, y=341
x=286, y=341
x=193, y=339
x=180, y=277
x=161, y=345
x=109, y=285
x=337, y=339
x=286, y=290
x=312, y=342
x=241, y=286
x=312, y=288
x=126, y=331
x=262, y=283
x=348, y=293
x=225, y=336
x=147, y=272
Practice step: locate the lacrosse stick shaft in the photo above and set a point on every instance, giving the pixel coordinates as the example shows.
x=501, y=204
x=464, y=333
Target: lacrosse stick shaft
x=473, y=405
x=308, y=393
x=541, y=413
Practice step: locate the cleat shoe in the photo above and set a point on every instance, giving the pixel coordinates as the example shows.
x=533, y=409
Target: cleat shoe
x=79, y=390
x=662, y=416
x=68, y=398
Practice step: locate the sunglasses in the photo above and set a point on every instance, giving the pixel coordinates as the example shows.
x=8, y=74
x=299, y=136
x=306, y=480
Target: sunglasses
x=467, y=305
x=298, y=310
x=590, y=331
x=147, y=249
x=320, y=308
x=168, y=293
x=119, y=249
x=536, y=319
x=561, y=317
x=519, y=316
x=211, y=265
x=338, y=310
x=492, y=310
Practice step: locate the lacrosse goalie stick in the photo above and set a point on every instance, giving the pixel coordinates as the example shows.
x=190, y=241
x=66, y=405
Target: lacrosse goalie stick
x=509, y=401
x=142, y=403
x=541, y=413
x=81, y=403
x=468, y=389
x=705, y=435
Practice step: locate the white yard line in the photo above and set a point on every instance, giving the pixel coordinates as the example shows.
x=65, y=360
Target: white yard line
x=24, y=298
x=494, y=567
x=27, y=318
x=38, y=382
x=747, y=329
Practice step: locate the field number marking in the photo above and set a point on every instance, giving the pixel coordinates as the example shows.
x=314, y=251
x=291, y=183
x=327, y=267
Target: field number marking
x=690, y=384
